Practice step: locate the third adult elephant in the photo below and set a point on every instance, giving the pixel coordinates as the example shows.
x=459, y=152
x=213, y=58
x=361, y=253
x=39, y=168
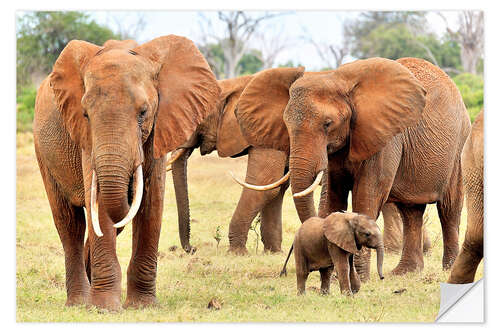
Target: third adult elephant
x=386, y=130
x=220, y=131
x=471, y=254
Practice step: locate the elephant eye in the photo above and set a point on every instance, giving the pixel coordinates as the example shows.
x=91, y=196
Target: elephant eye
x=85, y=114
x=142, y=113
x=327, y=124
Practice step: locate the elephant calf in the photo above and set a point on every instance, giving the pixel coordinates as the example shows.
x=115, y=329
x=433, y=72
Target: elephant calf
x=322, y=244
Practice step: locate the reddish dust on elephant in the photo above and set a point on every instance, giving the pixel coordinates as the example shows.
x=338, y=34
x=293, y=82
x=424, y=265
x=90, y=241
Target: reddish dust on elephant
x=388, y=131
x=104, y=120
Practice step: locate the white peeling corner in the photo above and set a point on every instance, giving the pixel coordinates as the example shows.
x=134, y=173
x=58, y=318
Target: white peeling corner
x=461, y=303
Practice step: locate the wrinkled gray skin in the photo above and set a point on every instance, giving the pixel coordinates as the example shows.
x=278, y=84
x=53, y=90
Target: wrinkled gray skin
x=325, y=244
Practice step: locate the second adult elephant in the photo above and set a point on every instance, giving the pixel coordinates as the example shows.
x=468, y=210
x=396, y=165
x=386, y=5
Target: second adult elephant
x=389, y=131
x=220, y=131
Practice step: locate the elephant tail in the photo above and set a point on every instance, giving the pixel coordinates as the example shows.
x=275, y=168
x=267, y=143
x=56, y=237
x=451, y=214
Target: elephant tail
x=283, y=271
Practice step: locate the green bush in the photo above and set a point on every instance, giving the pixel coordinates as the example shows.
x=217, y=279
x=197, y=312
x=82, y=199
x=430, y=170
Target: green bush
x=471, y=87
x=25, y=108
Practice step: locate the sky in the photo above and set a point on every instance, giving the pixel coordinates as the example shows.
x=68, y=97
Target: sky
x=323, y=26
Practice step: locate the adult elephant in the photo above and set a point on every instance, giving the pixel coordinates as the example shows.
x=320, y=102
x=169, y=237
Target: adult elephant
x=389, y=131
x=104, y=120
x=471, y=254
x=220, y=131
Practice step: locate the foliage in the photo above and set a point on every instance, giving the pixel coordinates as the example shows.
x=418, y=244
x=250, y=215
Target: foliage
x=217, y=237
x=41, y=36
x=25, y=108
x=250, y=63
x=471, y=88
x=396, y=35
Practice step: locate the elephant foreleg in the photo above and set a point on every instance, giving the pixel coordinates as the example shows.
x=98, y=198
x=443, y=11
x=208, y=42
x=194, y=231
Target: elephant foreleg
x=70, y=224
x=265, y=166
x=141, y=272
x=271, y=223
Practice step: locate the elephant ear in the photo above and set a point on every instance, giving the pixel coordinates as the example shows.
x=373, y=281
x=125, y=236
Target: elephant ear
x=230, y=140
x=66, y=81
x=338, y=228
x=261, y=106
x=187, y=90
x=386, y=98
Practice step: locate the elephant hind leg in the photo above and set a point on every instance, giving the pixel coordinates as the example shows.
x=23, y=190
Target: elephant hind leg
x=412, y=255
x=449, y=210
x=70, y=224
x=326, y=275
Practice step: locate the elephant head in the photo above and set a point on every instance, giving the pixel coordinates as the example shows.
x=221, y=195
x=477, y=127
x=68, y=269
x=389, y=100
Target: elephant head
x=360, y=106
x=351, y=231
x=122, y=101
x=218, y=131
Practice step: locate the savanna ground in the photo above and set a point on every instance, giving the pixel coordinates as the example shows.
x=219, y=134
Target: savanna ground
x=248, y=288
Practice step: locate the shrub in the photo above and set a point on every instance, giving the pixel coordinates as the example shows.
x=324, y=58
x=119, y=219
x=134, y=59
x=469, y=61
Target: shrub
x=471, y=87
x=25, y=108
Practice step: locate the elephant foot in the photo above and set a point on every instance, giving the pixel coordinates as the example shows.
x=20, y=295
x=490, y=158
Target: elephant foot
x=273, y=251
x=106, y=301
x=140, y=301
x=240, y=251
x=402, y=269
x=77, y=300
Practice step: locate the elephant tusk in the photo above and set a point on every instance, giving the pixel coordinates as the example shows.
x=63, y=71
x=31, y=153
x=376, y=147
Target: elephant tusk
x=169, y=168
x=262, y=187
x=174, y=156
x=94, y=207
x=310, y=188
x=136, y=202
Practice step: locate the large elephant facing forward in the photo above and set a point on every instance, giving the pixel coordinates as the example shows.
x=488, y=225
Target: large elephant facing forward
x=220, y=131
x=389, y=131
x=471, y=253
x=104, y=119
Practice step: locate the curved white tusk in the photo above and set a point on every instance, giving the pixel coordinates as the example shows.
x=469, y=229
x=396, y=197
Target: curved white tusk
x=169, y=168
x=310, y=188
x=136, y=202
x=262, y=187
x=175, y=155
x=94, y=207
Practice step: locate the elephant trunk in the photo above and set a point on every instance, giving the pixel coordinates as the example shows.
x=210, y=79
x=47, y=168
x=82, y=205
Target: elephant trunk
x=179, y=175
x=380, y=260
x=304, y=172
x=113, y=180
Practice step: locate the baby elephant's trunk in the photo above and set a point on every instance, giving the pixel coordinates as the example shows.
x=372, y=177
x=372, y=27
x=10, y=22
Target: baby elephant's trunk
x=380, y=260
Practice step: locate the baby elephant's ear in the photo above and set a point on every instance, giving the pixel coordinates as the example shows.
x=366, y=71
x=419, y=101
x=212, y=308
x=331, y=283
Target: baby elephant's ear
x=338, y=229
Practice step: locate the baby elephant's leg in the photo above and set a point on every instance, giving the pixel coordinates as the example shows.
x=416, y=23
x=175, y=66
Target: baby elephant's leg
x=353, y=276
x=326, y=274
x=340, y=260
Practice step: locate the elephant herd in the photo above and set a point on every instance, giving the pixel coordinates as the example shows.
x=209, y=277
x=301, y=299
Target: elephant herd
x=390, y=132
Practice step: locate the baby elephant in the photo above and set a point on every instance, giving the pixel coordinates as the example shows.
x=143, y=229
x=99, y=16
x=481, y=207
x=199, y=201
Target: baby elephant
x=322, y=244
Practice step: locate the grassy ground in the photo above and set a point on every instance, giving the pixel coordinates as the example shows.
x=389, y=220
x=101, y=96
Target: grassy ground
x=247, y=287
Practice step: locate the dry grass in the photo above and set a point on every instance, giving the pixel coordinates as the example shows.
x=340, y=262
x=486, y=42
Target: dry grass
x=240, y=288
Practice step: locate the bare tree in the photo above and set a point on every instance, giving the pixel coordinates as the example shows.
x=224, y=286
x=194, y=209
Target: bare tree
x=270, y=46
x=333, y=55
x=470, y=36
x=123, y=28
x=239, y=28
